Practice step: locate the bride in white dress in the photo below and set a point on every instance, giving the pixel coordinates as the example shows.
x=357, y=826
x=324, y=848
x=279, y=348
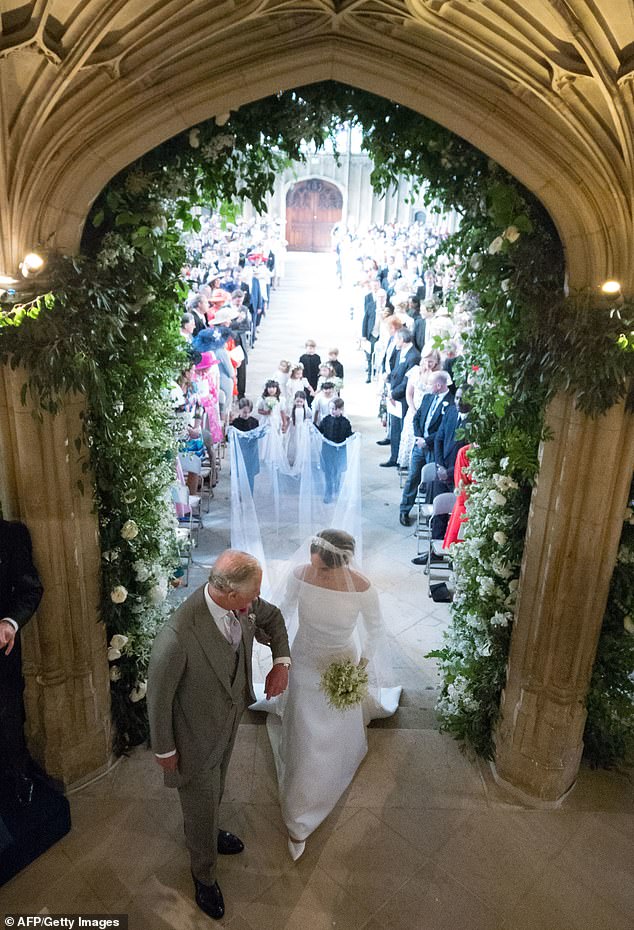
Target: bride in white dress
x=318, y=748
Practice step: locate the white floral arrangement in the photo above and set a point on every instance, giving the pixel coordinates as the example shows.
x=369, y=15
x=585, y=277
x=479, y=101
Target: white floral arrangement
x=345, y=683
x=271, y=402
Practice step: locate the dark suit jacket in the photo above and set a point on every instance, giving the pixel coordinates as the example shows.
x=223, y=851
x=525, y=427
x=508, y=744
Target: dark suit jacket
x=398, y=376
x=446, y=445
x=369, y=316
x=421, y=415
x=20, y=593
x=189, y=696
x=420, y=325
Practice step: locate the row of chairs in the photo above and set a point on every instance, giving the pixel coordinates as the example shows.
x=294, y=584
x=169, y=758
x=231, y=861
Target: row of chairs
x=438, y=567
x=188, y=505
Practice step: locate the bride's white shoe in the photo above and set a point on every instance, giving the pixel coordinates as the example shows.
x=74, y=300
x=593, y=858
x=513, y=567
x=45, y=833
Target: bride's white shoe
x=296, y=848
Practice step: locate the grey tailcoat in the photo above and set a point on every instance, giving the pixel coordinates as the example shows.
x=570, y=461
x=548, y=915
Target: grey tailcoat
x=191, y=703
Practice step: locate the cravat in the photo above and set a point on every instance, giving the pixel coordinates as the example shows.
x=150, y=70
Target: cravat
x=233, y=630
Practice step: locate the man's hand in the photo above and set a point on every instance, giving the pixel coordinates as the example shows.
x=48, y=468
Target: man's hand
x=443, y=474
x=7, y=636
x=168, y=763
x=276, y=681
x=420, y=442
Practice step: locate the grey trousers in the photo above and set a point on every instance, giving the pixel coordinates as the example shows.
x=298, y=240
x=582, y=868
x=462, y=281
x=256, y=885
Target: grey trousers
x=200, y=801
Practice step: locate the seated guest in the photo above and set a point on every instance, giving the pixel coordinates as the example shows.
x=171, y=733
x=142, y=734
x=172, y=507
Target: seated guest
x=427, y=421
x=450, y=439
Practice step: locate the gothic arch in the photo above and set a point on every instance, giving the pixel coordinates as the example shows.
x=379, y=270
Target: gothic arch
x=546, y=94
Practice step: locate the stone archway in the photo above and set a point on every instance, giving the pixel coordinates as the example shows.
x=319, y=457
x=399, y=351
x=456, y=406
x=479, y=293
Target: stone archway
x=91, y=86
x=313, y=207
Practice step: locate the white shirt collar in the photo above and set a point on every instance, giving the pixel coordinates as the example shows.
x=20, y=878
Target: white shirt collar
x=217, y=612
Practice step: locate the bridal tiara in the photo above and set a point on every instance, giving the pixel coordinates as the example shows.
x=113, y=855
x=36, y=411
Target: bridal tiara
x=322, y=543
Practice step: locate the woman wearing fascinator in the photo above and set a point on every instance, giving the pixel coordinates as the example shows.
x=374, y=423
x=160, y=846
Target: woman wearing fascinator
x=339, y=680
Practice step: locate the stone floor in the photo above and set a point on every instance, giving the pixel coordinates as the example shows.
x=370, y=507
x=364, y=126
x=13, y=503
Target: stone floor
x=422, y=840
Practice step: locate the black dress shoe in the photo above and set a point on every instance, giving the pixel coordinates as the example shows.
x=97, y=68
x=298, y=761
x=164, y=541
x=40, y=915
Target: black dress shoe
x=229, y=844
x=209, y=899
x=383, y=442
x=389, y=464
x=420, y=560
x=368, y=380
x=404, y=520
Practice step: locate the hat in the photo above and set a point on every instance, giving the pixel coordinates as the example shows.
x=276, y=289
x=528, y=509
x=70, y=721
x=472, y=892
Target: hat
x=225, y=315
x=206, y=361
x=218, y=296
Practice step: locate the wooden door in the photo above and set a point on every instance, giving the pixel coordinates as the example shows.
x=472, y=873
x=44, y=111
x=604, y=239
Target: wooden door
x=312, y=209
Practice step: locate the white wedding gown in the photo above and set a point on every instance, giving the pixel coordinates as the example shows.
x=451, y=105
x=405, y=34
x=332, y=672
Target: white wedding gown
x=318, y=749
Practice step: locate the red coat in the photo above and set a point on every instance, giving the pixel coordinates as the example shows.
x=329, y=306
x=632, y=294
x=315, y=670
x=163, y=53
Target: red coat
x=461, y=478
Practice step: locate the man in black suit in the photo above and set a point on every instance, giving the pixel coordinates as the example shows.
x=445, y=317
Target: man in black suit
x=20, y=593
x=447, y=444
x=370, y=324
x=427, y=421
x=397, y=386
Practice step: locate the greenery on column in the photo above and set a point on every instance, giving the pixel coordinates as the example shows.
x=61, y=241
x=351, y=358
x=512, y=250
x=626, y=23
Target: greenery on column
x=108, y=329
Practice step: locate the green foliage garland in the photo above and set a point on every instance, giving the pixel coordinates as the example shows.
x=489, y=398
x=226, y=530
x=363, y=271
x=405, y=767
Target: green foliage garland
x=109, y=330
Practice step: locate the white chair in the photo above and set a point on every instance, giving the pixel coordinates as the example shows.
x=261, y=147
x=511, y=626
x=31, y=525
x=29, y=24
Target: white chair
x=441, y=568
x=424, y=509
x=187, y=523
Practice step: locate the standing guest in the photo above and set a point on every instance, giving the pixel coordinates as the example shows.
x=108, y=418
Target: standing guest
x=450, y=439
x=311, y=362
x=20, y=593
x=322, y=404
x=333, y=359
x=199, y=684
x=188, y=324
x=335, y=428
x=370, y=324
x=198, y=307
x=418, y=323
x=397, y=388
x=427, y=420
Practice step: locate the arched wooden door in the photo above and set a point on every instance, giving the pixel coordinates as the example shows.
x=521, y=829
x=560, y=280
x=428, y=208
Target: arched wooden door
x=312, y=209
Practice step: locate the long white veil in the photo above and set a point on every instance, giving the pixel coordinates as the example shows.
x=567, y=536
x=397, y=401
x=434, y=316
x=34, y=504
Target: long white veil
x=276, y=507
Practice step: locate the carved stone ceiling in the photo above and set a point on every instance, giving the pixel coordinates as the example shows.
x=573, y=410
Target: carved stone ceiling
x=545, y=86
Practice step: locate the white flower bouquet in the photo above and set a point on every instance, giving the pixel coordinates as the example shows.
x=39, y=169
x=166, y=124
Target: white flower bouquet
x=345, y=684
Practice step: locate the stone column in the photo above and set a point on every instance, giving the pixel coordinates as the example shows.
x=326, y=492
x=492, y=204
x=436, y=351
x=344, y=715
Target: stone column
x=67, y=694
x=574, y=528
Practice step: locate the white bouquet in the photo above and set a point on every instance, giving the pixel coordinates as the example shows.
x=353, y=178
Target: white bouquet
x=345, y=684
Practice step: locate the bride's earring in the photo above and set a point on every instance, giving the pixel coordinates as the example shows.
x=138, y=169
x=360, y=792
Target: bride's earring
x=296, y=848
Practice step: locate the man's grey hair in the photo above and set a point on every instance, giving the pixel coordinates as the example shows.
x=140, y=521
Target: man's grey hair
x=234, y=571
x=195, y=301
x=443, y=376
x=187, y=318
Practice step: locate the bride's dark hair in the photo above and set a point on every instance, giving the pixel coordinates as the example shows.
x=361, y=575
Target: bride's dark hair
x=335, y=550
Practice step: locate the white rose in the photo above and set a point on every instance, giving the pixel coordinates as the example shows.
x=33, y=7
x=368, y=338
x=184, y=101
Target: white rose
x=628, y=516
x=137, y=694
x=129, y=530
x=118, y=594
x=628, y=623
x=500, y=619
x=496, y=245
x=194, y=138
x=113, y=654
x=511, y=233
x=506, y=285
x=115, y=673
x=222, y=118
x=496, y=498
x=504, y=463
x=476, y=261
x=513, y=584
x=500, y=538
x=118, y=641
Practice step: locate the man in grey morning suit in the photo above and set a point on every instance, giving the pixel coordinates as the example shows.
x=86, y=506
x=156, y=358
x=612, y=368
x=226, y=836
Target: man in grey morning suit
x=199, y=683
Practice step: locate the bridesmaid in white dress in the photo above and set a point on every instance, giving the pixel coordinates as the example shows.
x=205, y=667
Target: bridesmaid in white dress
x=317, y=748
